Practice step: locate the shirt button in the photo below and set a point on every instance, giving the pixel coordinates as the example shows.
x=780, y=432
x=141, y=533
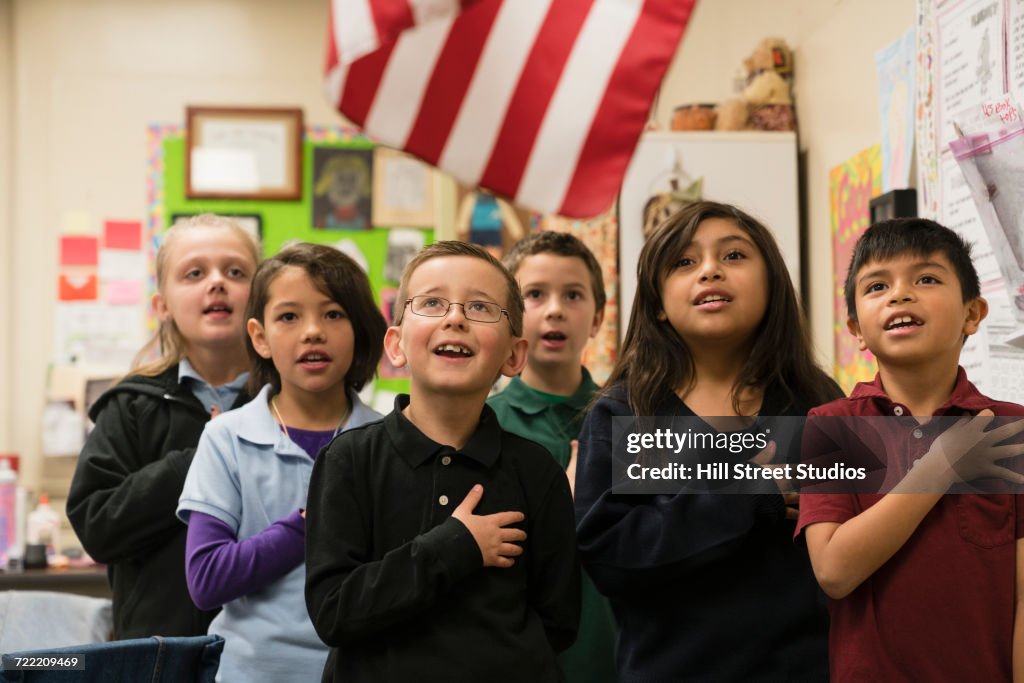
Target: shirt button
x=443, y=500
x=446, y=460
x=918, y=433
x=898, y=410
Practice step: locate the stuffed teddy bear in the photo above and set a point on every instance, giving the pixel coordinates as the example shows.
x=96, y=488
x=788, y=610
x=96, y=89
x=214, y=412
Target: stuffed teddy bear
x=765, y=102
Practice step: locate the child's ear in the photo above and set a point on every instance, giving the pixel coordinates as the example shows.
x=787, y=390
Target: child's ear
x=596, y=326
x=159, y=305
x=976, y=310
x=854, y=327
x=393, y=347
x=516, y=360
x=258, y=335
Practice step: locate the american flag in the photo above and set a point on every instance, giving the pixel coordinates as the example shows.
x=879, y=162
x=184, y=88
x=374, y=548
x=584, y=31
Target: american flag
x=541, y=101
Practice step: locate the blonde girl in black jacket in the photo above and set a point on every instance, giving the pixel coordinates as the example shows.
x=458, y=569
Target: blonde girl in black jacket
x=131, y=471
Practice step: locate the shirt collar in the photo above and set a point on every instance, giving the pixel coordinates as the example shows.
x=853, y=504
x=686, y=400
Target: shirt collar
x=185, y=370
x=484, y=445
x=257, y=425
x=528, y=400
x=965, y=395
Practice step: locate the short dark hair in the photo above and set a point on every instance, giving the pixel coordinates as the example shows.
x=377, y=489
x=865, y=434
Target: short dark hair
x=560, y=244
x=514, y=304
x=890, y=239
x=338, y=277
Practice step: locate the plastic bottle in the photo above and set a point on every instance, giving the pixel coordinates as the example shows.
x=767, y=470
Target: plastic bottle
x=8, y=510
x=44, y=525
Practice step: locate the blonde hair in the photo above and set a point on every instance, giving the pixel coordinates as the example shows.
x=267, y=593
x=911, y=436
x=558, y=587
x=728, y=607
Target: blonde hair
x=168, y=338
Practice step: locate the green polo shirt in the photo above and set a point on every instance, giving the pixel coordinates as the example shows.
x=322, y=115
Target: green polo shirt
x=554, y=421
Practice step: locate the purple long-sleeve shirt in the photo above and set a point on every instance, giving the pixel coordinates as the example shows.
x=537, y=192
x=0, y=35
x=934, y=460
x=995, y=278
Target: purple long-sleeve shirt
x=219, y=568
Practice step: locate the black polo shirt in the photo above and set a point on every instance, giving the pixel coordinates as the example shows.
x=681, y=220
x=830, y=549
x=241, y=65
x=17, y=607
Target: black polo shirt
x=397, y=587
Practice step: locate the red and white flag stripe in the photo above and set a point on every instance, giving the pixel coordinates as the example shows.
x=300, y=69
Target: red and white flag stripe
x=541, y=101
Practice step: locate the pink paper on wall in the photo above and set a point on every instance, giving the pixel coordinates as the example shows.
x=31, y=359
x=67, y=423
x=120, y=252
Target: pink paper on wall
x=122, y=292
x=75, y=287
x=79, y=251
x=122, y=235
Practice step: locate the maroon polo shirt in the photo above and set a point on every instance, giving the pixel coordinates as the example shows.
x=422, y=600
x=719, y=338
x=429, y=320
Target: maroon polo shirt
x=942, y=607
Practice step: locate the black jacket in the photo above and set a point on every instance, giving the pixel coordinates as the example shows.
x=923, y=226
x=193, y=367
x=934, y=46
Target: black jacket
x=124, y=495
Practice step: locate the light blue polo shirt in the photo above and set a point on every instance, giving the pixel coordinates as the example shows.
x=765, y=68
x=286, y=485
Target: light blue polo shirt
x=249, y=474
x=223, y=396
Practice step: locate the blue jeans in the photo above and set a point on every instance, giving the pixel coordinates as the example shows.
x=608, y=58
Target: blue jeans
x=155, y=660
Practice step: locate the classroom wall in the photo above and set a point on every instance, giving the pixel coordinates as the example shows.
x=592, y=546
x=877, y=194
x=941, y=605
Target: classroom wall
x=90, y=77
x=835, y=42
x=80, y=81
x=6, y=227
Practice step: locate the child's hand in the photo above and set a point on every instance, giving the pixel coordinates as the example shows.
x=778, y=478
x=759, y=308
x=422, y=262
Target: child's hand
x=497, y=544
x=570, y=469
x=969, y=450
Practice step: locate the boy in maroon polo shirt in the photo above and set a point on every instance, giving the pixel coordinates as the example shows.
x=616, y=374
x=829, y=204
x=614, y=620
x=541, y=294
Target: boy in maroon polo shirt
x=922, y=587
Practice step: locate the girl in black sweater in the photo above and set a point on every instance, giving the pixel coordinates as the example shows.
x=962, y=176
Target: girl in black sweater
x=706, y=586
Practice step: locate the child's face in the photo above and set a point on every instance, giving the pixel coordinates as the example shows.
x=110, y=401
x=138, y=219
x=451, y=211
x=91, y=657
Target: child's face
x=910, y=309
x=452, y=354
x=209, y=271
x=718, y=290
x=306, y=334
x=561, y=313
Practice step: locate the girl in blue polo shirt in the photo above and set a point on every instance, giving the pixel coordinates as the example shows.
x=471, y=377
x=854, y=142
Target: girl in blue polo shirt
x=315, y=338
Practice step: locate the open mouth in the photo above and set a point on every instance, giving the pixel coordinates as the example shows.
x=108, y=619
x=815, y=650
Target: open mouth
x=903, y=321
x=314, y=357
x=217, y=308
x=554, y=336
x=711, y=299
x=453, y=351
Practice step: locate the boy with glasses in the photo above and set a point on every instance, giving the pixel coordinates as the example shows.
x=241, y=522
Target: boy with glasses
x=404, y=581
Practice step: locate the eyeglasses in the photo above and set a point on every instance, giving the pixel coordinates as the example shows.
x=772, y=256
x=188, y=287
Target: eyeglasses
x=438, y=307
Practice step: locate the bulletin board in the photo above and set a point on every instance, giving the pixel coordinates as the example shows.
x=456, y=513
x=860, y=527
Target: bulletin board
x=969, y=53
x=379, y=249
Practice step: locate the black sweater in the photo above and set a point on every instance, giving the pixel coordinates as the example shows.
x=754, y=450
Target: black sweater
x=124, y=495
x=704, y=587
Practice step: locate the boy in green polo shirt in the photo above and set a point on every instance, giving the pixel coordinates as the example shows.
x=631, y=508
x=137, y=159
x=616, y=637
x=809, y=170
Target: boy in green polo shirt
x=564, y=295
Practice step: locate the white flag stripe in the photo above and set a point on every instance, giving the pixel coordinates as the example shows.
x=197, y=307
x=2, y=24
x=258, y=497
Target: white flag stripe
x=428, y=10
x=334, y=83
x=355, y=32
x=397, y=102
x=479, y=120
x=574, y=104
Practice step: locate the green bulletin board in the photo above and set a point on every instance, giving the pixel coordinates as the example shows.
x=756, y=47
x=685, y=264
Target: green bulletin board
x=283, y=221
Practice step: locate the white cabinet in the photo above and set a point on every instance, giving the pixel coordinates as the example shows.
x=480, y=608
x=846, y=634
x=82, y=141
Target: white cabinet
x=756, y=171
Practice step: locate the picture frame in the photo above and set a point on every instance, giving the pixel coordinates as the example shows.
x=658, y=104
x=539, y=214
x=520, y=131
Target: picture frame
x=403, y=191
x=342, y=188
x=243, y=153
x=252, y=223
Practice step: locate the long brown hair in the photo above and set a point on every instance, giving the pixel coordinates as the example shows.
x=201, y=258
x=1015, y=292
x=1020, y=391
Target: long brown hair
x=655, y=361
x=167, y=339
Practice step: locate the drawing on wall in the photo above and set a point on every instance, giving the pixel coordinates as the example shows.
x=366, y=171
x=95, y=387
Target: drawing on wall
x=489, y=221
x=852, y=184
x=403, y=245
x=403, y=190
x=342, y=188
